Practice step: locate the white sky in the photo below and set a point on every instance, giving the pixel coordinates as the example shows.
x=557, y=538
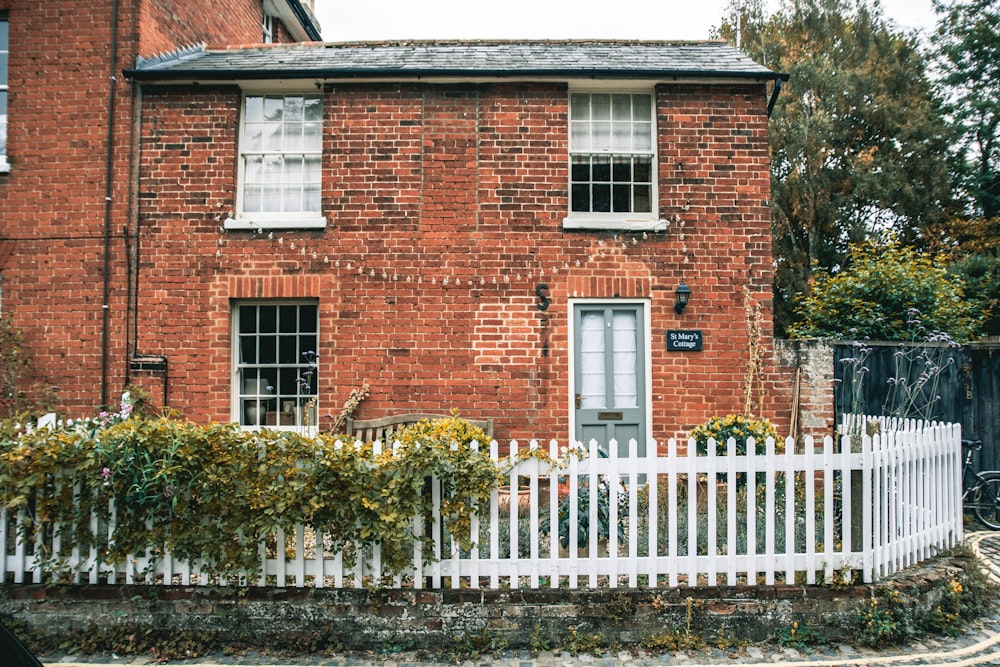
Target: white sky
x=360, y=20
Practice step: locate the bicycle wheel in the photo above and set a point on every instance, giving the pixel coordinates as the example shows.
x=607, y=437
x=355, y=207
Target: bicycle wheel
x=986, y=505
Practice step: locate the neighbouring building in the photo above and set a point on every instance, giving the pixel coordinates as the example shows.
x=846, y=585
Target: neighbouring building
x=67, y=163
x=502, y=228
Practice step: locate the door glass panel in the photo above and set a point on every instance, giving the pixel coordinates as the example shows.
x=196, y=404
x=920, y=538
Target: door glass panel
x=625, y=360
x=592, y=359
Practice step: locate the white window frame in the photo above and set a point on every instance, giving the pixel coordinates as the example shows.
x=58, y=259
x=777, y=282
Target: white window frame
x=4, y=89
x=280, y=383
x=267, y=29
x=257, y=220
x=625, y=221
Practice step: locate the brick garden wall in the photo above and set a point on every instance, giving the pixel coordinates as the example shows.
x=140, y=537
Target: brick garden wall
x=445, y=206
x=366, y=620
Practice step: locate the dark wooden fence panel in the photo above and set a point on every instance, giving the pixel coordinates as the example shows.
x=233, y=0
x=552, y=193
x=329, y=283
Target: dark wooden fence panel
x=965, y=389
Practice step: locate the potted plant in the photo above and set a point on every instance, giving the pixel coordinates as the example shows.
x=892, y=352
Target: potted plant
x=583, y=527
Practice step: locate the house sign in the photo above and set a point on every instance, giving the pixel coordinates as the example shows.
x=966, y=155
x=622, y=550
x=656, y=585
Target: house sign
x=684, y=341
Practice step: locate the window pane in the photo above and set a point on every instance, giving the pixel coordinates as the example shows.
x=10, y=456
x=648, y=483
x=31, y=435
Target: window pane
x=622, y=198
x=311, y=197
x=621, y=170
x=641, y=200
x=642, y=107
x=642, y=134
x=253, y=198
x=253, y=137
x=272, y=108
x=313, y=109
x=592, y=372
x=579, y=138
x=268, y=319
x=601, y=139
x=625, y=359
x=308, y=321
x=621, y=107
x=580, y=197
x=3, y=66
x=293, y=169
x=268, y=348
x=312, y=137
x=601, y=169
x=643, y=170
x=579, y=106
x=291, y=195
x=312, y=172
x=271, y=198
x=252, y=172
x=580, y=169
x=602, y=198
x=248, y=350
x=622, y=137
x=254, y=109
x=600, y=106
x=248, y=319
x=273, y=137
x=293, y=108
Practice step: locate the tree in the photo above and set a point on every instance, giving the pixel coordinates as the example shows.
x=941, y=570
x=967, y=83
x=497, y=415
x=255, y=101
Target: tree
x=968, y=57
x=858, y=137
x=882, y=294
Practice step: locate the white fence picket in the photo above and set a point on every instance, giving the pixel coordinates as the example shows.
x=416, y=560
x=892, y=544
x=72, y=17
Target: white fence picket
x=686, y=519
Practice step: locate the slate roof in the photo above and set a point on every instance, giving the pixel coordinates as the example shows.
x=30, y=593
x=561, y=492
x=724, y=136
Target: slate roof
x=404, y=60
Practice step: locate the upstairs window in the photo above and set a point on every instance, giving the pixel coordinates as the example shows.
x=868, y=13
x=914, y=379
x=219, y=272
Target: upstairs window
x=612, y=158
x=4, y=56
x=276, y=364
x=267, y=29
x=280, y=162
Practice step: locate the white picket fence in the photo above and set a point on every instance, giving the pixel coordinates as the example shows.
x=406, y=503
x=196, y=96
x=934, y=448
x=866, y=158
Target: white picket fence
x=820, y=514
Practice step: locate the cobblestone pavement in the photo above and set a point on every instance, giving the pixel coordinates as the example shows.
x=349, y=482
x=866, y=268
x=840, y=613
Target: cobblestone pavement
x=980, y=645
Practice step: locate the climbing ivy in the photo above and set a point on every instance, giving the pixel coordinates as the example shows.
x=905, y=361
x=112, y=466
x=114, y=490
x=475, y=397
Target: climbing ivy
x=213, y=492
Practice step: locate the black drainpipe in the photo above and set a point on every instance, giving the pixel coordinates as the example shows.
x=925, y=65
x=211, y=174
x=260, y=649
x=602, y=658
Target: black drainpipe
x=108, y=166
x=774, y=95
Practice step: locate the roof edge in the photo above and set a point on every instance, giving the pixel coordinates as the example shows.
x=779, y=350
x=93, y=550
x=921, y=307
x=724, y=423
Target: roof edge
x=175, y=74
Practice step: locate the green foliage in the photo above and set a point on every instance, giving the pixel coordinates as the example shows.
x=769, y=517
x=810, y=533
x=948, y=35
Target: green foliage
x=214, y=493
x=884, y=621
x=15, y=400
x=583, y=527
x=876, y=295
x=859, y=141
x=968, y=54
x=967, y=596
x=579, y=641
x=799, y=637
x=740, y=429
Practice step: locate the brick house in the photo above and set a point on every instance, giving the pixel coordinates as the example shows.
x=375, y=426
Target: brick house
x=495, y=227
x=66, y=149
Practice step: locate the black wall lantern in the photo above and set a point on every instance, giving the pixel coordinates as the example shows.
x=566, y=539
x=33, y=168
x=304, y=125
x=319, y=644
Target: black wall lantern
x=683, y=296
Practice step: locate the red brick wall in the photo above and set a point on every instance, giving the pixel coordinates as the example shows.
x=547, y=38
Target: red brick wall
x=445, y=207
x=52, y=203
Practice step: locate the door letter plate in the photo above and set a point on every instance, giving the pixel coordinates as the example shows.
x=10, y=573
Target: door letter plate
x=610, y=415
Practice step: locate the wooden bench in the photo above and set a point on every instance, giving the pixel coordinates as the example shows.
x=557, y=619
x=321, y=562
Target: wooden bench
x=384, y=428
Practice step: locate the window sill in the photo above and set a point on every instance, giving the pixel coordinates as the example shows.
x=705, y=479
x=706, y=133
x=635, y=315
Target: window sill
x=257, y=224
x=617, y=224
x=4, y=165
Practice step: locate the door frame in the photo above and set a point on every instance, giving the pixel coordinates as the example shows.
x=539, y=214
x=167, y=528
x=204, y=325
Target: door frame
x=646, y=342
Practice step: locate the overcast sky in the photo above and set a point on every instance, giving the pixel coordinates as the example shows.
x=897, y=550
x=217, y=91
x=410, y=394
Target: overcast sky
x=346, y=20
